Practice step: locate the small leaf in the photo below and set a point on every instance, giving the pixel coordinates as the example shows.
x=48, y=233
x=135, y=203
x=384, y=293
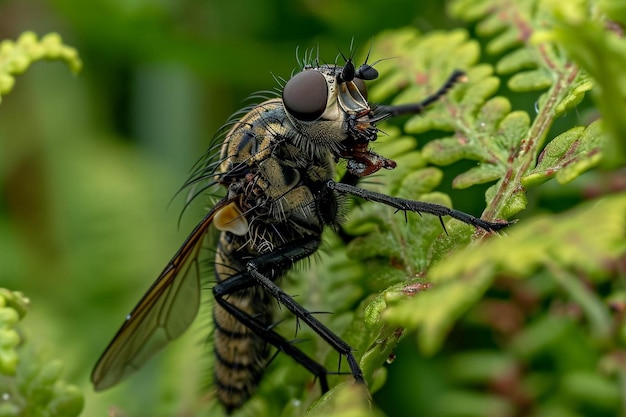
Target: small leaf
x=519, y=59
x=448, y=150
x=514, y=202
x=344, y=400
x=378, y=352
x=534, y=80
x=512, y=131
x=420, y=182
x=482, y=85
x=568, y=155
x=477, y=175
x=470, y=10
x=14, y=300
x=492, y=112
x=504, y=41
x=491, y=25
x=575, y=95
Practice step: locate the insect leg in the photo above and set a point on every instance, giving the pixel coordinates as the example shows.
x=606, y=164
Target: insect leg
x=417, y=108
x=306, y=316
x=269, y=265
x=260, y=266
x=415, y=206
x=242, y=281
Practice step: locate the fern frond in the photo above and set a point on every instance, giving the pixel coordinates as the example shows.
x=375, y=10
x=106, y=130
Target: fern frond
x=557, y=244
x=16, y=57
x=515, y=149
x=29, y=385
x=567, y=156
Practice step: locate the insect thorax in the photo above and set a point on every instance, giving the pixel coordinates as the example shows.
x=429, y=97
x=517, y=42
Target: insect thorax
x=275, y=179
x=275, y=187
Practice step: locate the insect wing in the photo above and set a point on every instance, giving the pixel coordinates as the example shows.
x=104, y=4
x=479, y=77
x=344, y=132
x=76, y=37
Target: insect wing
x=164, y=313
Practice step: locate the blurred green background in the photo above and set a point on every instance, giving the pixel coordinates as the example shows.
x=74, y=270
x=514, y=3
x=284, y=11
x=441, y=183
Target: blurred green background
x=89, y=164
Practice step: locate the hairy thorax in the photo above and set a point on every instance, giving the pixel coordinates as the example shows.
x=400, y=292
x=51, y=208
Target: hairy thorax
x=275, y=183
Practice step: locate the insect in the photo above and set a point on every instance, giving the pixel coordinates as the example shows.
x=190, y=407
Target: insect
x=277, y=164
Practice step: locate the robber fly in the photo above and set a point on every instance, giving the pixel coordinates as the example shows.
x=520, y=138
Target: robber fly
x=277, y=164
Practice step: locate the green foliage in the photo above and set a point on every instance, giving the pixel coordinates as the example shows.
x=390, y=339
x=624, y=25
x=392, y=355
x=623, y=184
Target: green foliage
x=554, y=244
x=12, y=309
x=441, y=285
x=598, y=47
x=526, y=323
x=30, y=385
x=16, y=57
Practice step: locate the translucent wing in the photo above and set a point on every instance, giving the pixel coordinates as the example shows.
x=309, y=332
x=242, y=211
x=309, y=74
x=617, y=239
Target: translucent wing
x=164, y=313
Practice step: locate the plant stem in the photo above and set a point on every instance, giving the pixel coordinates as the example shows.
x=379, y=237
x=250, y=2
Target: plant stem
x=524, y=159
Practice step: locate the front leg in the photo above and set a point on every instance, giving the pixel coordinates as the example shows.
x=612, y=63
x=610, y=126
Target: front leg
x=405, y=205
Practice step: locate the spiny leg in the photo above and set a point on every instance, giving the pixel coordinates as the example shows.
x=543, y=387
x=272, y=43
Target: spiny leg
x=416, y=108
x=405, y=205
x=387, y=111
x=307, y=317
x=243, y=280
x=271, y=264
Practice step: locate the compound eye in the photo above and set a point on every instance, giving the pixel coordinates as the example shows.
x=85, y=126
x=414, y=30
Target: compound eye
x=305, y=95
x=360, y=84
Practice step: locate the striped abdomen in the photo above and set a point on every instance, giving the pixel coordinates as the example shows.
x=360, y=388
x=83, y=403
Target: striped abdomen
x=240, y=356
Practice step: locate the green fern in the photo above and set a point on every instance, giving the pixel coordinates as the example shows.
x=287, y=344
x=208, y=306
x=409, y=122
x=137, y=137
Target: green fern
x=431, y=282
x=402, y=275
x=555, y=244
x=29, y=386
x=16, y=57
